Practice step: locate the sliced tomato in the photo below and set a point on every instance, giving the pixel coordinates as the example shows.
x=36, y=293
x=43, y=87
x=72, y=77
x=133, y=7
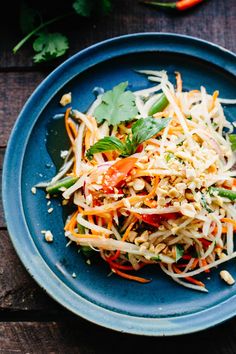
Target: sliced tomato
x=205, y=242
x=117, y=173
x=139, y=148
x=155, y=219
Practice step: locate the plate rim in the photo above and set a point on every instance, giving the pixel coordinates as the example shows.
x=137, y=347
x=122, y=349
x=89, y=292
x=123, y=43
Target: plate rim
x=43, y=275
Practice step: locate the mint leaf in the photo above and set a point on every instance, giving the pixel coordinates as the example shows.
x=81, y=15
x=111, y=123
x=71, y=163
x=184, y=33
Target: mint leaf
x=232, y=139
x=106, y=144
x=117, y=105
x=87, y=7
x=49, y=46
x=179, y=251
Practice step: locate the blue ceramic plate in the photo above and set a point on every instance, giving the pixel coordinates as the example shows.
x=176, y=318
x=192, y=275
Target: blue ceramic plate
x=161, y=307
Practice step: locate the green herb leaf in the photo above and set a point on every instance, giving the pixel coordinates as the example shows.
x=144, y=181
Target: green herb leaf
x=142, y=130
x=145, y=128
x=83, y=7
x=49, y=46
x=232, y=139
x=87, y=7
x=28, y=18
x=117, y=105
x=109, y=143
x=179, y=251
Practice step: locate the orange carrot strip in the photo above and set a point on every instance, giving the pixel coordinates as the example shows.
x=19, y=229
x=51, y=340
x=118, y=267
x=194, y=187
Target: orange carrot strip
x=72, y=221
x=195, y=263
x=73, y=128
x=179, y=82
x=204, y=263
x=130, y=277
x=190, y=279
x=67, y=125
x=230, y=221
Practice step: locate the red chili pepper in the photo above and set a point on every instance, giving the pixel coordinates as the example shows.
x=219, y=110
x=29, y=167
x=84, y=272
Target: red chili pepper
x=204, y=242
x=117, y=173
x=180, y=5
x=155, y=219
x=139, y=148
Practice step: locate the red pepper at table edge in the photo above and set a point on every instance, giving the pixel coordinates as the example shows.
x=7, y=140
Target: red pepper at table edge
x=177, y=5
x=117, y=173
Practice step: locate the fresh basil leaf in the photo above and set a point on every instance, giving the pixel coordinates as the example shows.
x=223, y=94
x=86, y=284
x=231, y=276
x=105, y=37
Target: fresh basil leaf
x=106, y=144
x=232, y=139
x=145, y=128
x=179, y=251
x=117, y=105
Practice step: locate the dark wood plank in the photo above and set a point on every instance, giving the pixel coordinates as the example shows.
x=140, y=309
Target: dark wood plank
x=214, y=20
x=2, y=221
x=18, y=291
x=15, y=88
x=72, y=335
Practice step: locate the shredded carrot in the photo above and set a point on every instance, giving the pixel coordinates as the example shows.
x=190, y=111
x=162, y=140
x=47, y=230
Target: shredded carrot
x=195, y=263
x=126, y=234
x=230, y=221
x=69, y=133
x=90, y=219
x=190, y=279
x=151, y=203
x=72, y=222
x=73, y=127
x=204, y=263
x=179, y=83
x=214, y=97
x=130, y=277
x=87, y=139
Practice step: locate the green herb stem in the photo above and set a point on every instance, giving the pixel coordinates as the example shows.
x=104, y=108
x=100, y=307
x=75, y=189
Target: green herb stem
x=43, y=25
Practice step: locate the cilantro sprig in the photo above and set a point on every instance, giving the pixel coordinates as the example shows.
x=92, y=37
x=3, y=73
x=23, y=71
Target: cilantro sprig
x=142, y=130
x=117, y=105
x=50, y=45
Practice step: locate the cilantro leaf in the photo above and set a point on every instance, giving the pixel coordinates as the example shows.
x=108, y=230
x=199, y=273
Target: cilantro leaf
x=142, y=130
x=83, y=7
x=117, y=105
x=232, y=139
x=87, y=7
x=28, y=18
x=109, y=143
x=49, y=46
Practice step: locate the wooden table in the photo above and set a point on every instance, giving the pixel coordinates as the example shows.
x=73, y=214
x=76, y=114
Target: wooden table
x=30, y=321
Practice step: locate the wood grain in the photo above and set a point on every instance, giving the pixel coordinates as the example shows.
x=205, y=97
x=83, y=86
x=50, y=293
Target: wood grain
x=18, y=291
x=15, y=88
x=212, y=21
x=74, y=335
x=30, y=321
